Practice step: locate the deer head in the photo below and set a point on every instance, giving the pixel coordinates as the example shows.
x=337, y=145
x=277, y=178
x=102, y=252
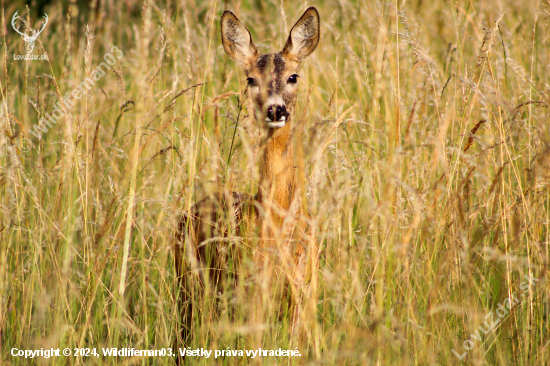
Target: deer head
x=272, y=78
x=29, y=40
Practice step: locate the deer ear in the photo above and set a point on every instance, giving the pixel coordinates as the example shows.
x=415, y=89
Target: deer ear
x=236, y=40
x=304, y=36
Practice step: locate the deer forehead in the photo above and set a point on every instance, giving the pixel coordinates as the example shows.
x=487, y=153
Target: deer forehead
x=272, y=66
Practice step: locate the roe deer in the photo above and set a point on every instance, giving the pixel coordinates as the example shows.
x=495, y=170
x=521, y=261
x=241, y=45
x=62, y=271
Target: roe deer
x=202, y=242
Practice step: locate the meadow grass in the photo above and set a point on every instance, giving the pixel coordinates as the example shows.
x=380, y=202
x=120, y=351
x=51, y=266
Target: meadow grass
x=424, y=154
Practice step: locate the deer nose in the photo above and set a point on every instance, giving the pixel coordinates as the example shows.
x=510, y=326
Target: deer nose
x=277, y=113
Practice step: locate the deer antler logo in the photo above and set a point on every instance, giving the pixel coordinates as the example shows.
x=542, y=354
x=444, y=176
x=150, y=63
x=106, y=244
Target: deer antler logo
x=29, y=40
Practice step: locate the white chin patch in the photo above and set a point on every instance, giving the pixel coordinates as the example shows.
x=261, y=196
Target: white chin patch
x=276, y=124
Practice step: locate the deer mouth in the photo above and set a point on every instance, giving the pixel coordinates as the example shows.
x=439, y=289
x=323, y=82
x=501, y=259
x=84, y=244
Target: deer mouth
x=276, y=124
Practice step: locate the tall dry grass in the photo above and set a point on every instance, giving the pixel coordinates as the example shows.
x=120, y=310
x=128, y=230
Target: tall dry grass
x=429, y=201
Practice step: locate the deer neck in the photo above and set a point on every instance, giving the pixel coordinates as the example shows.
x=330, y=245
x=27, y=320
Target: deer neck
x=277, y=173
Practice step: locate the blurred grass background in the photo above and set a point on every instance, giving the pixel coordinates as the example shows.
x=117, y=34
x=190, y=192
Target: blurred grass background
x=430, y=203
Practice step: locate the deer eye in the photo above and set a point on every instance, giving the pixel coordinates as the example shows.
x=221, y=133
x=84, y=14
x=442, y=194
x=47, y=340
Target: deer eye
x=251, y=81
x=293, y=79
